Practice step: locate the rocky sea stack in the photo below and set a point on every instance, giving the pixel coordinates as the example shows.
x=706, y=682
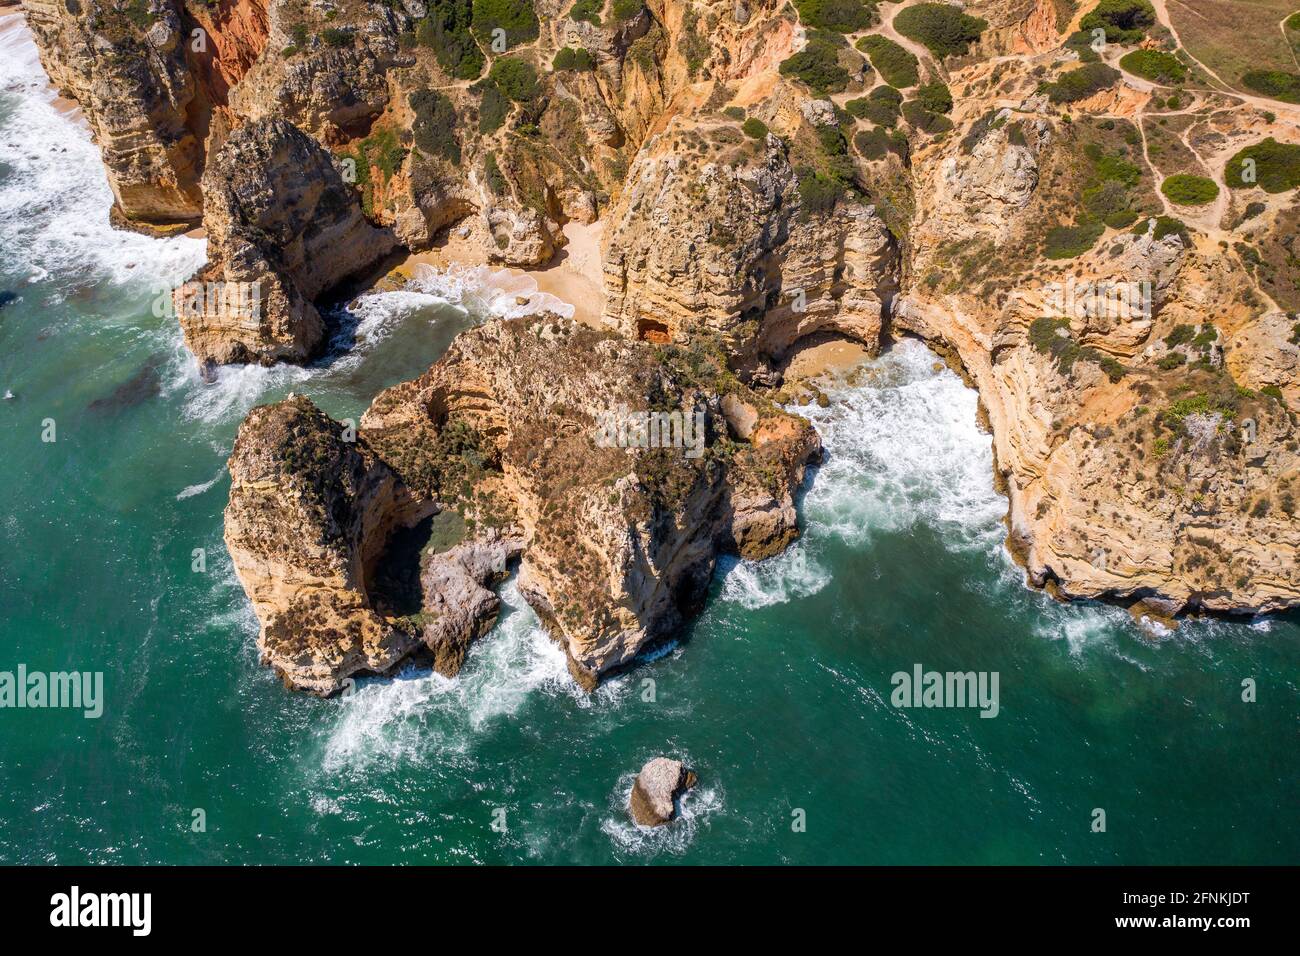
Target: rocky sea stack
x=657, y=788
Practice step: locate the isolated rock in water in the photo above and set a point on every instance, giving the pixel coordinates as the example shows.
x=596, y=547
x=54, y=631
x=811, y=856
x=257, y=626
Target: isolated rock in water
x=283, y=228
x=655, y=792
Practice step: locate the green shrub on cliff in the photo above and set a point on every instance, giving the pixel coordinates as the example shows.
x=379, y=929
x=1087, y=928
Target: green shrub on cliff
x=935, y=97
x=587, y=10
x=891, y=61
x=754, y=128
x=445, y=31
x=1274, y=84
x=1272, y=166
x=944, y=30
x=839, y=16
x=1081, y=83
x=516, y=17
x=1154, y=65
x=1125, y=21
x=1069, y=242
x=818, y=66
x=515, y=78
x=435, y=125
x=493, y=108
x=1188, y=190
x=569, y=58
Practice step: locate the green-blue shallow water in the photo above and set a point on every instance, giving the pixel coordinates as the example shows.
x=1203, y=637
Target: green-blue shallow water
x=779, y=696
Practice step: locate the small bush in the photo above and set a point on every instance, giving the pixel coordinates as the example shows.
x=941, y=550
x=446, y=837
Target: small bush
x=445, y=31
x=515, y=78
x=920, y=118
x=1154, y=65
x=626, y=9
x=336, y=38
x=587, y=10
x=818, y=66
x=818, y=193
x=515, y=17
x=935, y=97
x=1081, y=83
x=880, y=106
x=1125, y=21
x=570, y=58
x=493, y=109
x=1276, y=167
x=435, y=124
x=1069, y=242
x=838, y=16
x=897, y=66
x=1274, y=83
x=492, y=173
x=872, y=143
x=1186, y=190
x=944, y=30
x=754, y=128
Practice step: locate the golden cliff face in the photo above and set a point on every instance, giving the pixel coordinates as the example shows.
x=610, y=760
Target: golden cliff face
x=1122, y=384
x=135, y=86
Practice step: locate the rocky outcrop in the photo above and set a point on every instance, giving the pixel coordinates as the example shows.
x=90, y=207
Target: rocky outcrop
x=657, y=788
x=308, y=515
x=283, y=229
x=130, y=76
x=621, y=530
x=459, y=605
x=540, y=434
x=1117, y=377
x=713, y=237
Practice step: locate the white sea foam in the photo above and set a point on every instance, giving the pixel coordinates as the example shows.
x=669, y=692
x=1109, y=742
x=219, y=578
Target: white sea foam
x=903, y=448
x=419, y=713
x=791, y=575
x=55, y=200
x=696, y=807
x=189, y=491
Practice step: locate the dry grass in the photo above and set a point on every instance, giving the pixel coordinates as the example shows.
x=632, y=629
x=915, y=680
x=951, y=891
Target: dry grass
x=1233, y=36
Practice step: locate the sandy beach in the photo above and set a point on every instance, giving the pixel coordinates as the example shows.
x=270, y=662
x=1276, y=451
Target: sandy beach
x=572, y=276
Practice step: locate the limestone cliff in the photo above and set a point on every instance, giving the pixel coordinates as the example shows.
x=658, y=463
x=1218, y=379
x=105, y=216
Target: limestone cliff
x=282, y=222
x=127, y=70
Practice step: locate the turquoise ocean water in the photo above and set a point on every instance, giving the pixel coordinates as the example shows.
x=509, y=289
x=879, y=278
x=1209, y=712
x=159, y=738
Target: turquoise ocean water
x=778, y=695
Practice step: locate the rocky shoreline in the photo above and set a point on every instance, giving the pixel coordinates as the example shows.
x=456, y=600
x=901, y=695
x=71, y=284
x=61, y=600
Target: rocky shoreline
x=747, y=190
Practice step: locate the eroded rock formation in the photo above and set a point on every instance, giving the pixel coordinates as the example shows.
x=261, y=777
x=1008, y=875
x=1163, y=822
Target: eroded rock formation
x=537, y=432
x=282, y=222
x=656, y=790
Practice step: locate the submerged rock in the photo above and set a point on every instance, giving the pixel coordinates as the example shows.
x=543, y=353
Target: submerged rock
x=656, y=791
